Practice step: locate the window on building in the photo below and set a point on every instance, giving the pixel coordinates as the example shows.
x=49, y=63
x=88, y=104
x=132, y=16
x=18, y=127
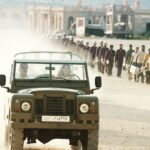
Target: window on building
x=89, y=21
x=70, y=22
x=148, y=27
x=124, y=18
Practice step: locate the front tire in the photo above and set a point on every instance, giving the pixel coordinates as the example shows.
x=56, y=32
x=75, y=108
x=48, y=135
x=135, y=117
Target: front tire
x=93, y=136
x=16, y=139
x=88, y=141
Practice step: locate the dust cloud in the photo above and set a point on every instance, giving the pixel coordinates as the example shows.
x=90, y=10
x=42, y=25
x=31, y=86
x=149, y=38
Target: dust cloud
x=14, y=41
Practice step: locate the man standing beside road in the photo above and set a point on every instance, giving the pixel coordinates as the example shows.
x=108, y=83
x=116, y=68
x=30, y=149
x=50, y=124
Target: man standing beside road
x=119, y=59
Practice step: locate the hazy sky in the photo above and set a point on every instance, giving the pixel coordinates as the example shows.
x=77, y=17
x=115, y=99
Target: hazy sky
x=144, y=3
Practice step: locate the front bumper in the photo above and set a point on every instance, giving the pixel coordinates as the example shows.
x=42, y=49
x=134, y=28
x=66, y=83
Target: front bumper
x=38, y=125
x=27, y=121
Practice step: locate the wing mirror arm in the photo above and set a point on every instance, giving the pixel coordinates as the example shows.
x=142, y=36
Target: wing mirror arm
x=7, y=88
x=92, y=90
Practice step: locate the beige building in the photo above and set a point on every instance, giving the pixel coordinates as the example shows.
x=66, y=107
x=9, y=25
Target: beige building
x=142, y=21
x=125, y=20
x=121, y=20
x=47, y=19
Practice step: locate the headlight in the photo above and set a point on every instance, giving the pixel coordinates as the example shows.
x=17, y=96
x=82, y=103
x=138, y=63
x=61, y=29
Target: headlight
x=25, y=106
x=84, y=108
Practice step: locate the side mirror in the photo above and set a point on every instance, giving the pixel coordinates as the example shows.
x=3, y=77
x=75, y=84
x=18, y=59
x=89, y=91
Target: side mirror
x=98, y=81
x=2, y=80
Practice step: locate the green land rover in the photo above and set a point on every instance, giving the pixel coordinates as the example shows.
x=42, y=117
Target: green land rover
x=45, y=102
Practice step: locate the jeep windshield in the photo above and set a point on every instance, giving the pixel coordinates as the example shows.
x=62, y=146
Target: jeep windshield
x=50, y=71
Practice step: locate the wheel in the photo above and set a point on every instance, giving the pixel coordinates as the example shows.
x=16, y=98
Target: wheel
x=88, y=141
x=78, y=147
x=16, y=139
x=6, y=129
x=92, y=143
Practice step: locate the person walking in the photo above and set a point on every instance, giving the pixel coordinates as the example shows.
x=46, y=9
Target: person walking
x=134, y=57
x=133, y=65
x=102, y=57
x=77, y=47
x=109, y=60
x=147, y=66
x=119, y=59
x=140, y=63
x=98, y=52
x=64, y=41
x=71, y=44
x=93, y=53
x=86, y=51
x=129, y=56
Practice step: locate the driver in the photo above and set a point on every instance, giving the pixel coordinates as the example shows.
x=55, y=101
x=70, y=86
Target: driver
x=65, y=72
x=23, y=70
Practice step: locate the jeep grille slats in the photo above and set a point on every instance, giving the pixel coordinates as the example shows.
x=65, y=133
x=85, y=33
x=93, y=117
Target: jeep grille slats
x=39, y=106
x=69, y=107
x=54, y=106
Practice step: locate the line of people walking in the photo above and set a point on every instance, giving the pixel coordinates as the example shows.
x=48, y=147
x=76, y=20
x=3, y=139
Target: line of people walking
x=135, y=62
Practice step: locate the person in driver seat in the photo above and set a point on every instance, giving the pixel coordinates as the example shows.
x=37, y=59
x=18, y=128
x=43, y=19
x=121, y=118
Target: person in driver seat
x=23, y=70
x=65, y=72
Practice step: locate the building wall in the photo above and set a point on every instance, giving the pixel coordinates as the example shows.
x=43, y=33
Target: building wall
x=119, y=20
x=61, y=19
x=80, y=26
x=142, y=18
x=58, y=19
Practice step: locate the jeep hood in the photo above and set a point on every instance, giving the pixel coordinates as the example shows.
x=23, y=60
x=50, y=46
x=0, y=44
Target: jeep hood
x=35, y=90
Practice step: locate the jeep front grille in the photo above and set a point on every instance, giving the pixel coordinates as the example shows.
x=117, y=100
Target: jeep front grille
x=54, y=106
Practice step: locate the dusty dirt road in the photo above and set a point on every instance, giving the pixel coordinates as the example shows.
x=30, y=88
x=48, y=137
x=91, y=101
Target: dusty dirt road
x=125, y=123
x=124, y=105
